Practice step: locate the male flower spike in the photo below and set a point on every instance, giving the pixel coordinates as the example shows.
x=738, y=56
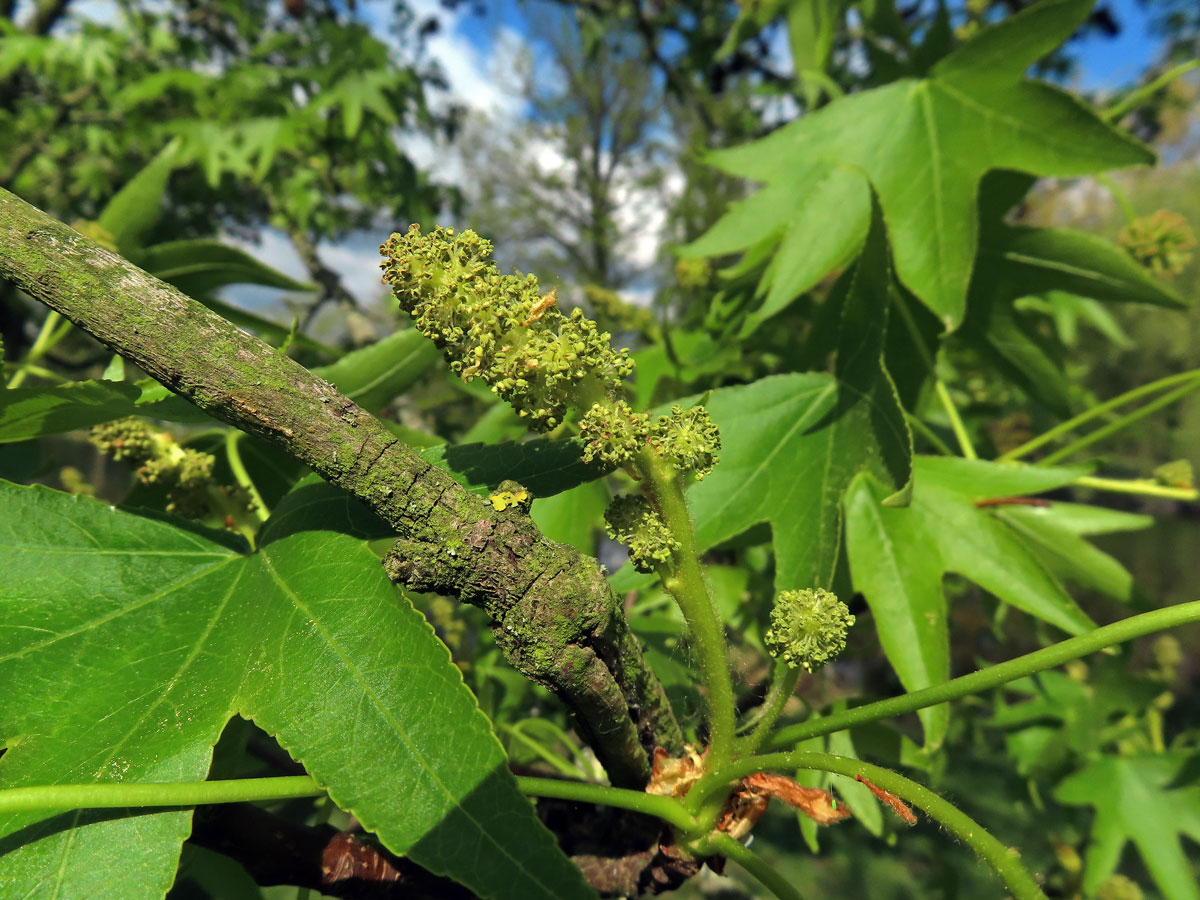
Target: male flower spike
x=500, y=327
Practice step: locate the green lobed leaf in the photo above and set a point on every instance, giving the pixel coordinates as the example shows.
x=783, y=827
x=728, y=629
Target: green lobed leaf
x=375, y=375
x=924, y=144
x=131, y=665
x=791, y=444
x=136, y=208
x=1140, y=799
x=898, y=557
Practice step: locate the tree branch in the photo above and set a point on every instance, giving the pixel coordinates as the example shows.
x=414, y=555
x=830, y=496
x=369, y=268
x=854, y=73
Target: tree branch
x=554, y=615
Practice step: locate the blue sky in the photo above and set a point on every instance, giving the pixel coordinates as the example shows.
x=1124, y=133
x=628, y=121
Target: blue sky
x=472, y=49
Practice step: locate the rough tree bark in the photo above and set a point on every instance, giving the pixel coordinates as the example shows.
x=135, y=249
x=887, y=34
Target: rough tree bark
x=554, y=615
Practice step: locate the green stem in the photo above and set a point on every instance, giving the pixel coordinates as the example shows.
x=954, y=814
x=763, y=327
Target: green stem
x=1119, y=195
x=1123, y=106
x=26, y=368
x=42, y=344
x=783, y=685
x=992, y=676
x=668, y=809
x=1141, y=486
x=1118, y=424
x=1002, y=859
x=685, y=582
x=752, y=863
x=560, y=765
x=1096, y=412
x=241, y=476
x=117, y=795
x=928, y=433
x=956, y=423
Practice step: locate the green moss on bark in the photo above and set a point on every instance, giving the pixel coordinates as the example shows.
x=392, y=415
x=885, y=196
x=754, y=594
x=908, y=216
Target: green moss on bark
x=554, y=614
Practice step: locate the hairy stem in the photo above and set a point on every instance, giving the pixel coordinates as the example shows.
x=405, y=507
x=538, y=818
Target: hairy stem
x=1141, y=486
x=1004, y=860
x=1119, y=195
x=685, y=582
x=783, y=684
x=956, y=422
x=1096, y=412
x=666, y=808
x=554, y=615
x=48, y=335
x=1138, y=95
x=242, y=477
x=754, y=864
x=115, y=795
x=993, y=676
x=1120, y=424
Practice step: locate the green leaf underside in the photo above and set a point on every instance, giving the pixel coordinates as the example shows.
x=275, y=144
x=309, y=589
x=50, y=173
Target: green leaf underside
x=544, y=466
x=130, y=667
x=791, y=444
x=1017, y=262
x=29, y=412
x=1020, y=554
x=374, y=375
x=924, y=145
x=1139, y=799
x=199, y=266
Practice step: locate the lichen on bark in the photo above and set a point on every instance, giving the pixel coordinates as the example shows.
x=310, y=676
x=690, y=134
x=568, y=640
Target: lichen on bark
x=555, y=616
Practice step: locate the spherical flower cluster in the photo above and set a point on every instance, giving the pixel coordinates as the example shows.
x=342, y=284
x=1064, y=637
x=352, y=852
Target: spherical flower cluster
x=688, y=439
x=1162, y=242
x=186, y=474
x=499, y=327
x=808, y=628
x=632, y=521
x=613, y=433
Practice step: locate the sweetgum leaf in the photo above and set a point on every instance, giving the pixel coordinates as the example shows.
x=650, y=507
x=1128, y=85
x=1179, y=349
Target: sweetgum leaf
x=130, y=643
x=791, y=444
x=924, y=144
x=1140, y=799
x=898, y=558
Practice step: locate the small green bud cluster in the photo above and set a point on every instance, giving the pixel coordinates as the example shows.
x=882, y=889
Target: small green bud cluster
x=1162, y=242
x=634, y=522
x=808, y=628
x=185, y=474
x=499, y=327
x=613, y=433
x=687, y=438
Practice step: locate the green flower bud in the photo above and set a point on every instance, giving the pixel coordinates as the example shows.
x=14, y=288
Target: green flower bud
x=131, y=439
x=631, y=520
x=688, y=439
x=1162, y=242
x=499, y=327
x=613, y=433
x=808, y=628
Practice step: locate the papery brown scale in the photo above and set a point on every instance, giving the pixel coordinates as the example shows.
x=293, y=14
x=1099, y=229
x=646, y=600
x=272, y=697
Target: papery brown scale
x=815, y=803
